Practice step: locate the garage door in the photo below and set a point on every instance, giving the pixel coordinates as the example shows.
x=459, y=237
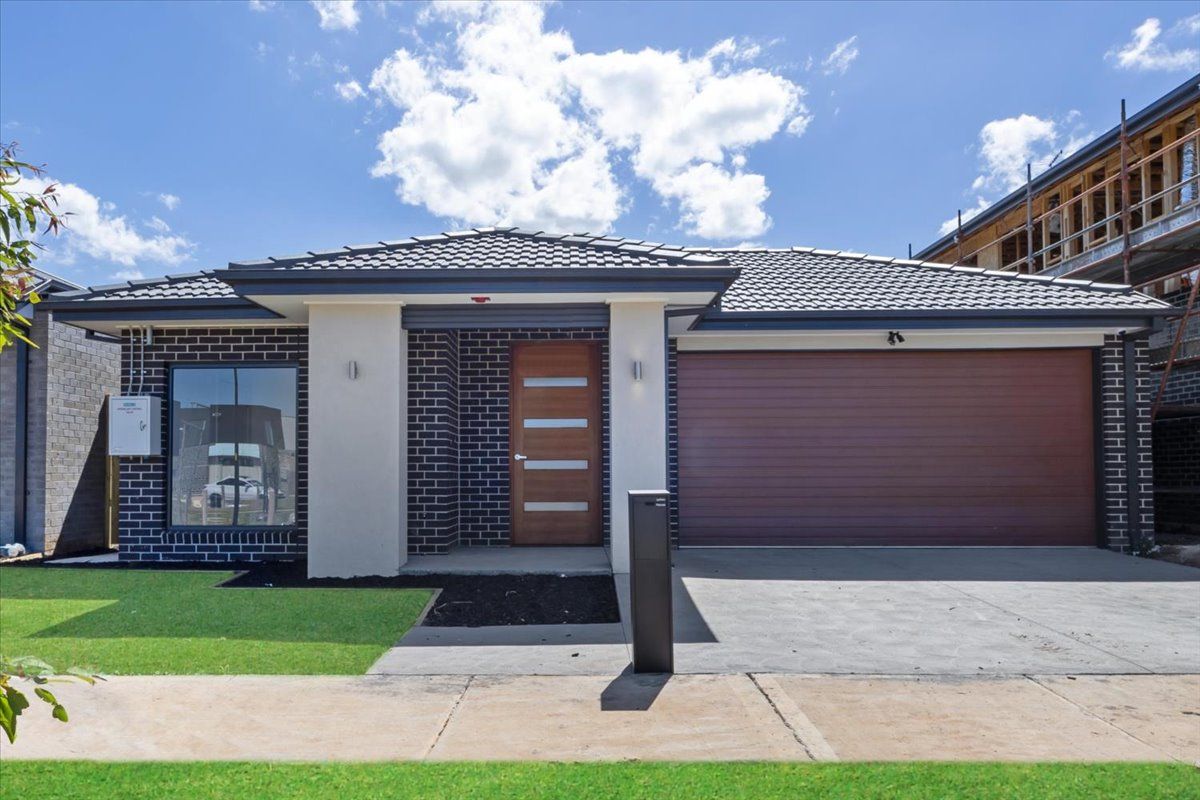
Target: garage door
x=886, y=448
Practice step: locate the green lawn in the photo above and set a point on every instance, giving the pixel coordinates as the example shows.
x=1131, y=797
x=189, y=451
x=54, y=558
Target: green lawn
x=140, y=622
x=200, y=781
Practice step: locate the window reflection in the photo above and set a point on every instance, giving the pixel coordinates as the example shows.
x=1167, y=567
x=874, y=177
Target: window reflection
x=233, y=446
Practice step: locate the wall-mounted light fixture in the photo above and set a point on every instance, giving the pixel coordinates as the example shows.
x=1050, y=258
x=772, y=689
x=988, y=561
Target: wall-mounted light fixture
x=352, y=370
x=637, y=370
x=895, y=338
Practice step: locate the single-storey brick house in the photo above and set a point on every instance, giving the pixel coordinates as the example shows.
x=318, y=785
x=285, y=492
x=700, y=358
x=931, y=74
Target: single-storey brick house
x=507, y=387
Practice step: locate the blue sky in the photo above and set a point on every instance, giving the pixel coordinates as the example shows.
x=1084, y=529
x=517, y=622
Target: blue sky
x=190, y=134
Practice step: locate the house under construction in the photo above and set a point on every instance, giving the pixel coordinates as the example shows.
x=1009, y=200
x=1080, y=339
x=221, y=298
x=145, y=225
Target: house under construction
x=1123, y=209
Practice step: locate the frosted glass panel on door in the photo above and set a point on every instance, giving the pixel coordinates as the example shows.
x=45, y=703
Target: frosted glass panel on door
x=545, y=383
x=556, y=506
x=556, y=423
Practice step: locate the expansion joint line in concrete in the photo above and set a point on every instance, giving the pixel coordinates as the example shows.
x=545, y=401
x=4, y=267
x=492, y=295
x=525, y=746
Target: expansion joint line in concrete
x=446, y=722
x=811, y=741
x=1088, y=712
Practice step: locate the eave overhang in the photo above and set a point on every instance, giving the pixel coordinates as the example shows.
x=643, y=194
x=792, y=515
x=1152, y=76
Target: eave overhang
x=1116, y=319
x=569, y=280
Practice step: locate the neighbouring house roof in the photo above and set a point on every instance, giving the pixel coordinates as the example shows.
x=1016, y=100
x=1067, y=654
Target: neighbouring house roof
x=1180, y=96
x=195, y=285
x=793, y=283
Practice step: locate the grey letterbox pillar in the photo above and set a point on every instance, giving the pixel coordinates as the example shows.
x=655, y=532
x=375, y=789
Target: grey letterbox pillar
x=650, y=582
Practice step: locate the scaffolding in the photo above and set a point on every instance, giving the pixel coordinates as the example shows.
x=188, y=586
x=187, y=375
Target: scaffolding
x=1106, y=218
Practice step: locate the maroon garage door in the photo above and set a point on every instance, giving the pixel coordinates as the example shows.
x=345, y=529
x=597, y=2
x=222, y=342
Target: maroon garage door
x=886, y=448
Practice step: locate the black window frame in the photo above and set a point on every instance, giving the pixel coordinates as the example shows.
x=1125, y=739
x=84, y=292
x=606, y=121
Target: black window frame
x=169, y=449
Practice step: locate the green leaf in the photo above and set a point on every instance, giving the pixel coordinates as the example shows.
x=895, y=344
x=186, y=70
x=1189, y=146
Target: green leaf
x=59, y=713
x=46, y=695
x=15, y=699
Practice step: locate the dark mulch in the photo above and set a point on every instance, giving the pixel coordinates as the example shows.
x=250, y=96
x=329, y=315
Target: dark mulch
x=471, y=600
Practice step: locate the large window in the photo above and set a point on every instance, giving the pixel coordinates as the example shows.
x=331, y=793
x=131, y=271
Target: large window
x=233, y=446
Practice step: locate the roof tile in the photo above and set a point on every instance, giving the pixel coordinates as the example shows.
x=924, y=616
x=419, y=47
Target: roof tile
x=798, y=279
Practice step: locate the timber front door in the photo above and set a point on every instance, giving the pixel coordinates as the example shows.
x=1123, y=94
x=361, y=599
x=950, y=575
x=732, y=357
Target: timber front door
x=555, y=444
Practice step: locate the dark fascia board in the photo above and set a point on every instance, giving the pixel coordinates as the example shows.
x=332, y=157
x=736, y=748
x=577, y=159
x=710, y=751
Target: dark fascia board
x=430, y=281
x=986, y=318
x=1178, y=97
x=158, y=309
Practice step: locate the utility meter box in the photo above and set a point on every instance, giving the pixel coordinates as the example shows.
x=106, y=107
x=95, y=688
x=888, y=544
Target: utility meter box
x=134, y=426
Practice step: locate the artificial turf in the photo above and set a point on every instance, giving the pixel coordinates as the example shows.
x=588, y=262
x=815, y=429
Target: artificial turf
x=579, y=781
x=144, y=622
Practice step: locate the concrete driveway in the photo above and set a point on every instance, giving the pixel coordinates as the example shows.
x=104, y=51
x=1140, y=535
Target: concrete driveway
x=947, y=611
x=870, y=611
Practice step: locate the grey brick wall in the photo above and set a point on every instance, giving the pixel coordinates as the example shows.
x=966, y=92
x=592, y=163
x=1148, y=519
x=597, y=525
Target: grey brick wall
x=145, y=534
x=82, y=372
x=68, y=378
x=8, y=444
x=35, y=434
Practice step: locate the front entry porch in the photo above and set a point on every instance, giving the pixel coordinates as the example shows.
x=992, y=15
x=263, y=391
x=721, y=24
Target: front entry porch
x=512, y=434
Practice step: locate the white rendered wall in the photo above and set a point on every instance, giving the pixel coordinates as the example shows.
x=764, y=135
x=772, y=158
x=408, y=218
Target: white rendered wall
x=357, y=440
x=637, y=411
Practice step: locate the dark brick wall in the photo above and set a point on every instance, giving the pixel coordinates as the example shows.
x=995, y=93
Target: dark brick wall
x=1177, y=474
x=1177, y=428
x=673, y=440
x=483, y=428
x=433, y=441
x=145, y=535
x=1183, y=386
x=1115, y=469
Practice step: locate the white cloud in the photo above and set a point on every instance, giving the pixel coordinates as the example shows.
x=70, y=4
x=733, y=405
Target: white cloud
x=263, y=5
x=349, y=90
x=128, y=275
x=158, y=224
x=401, y=78
x=718, y=204
x=841, y=57
x=169, y=200
x=1145, y=52
x=94, y=229
x=512, y=125
x=951, y=224
x=336, y=15
x=1007, y=145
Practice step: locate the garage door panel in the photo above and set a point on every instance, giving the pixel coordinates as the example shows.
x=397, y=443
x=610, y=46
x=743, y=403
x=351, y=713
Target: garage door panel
x=957, y=447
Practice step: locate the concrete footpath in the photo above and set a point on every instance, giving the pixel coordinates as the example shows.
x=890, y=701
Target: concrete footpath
x=575, y=718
